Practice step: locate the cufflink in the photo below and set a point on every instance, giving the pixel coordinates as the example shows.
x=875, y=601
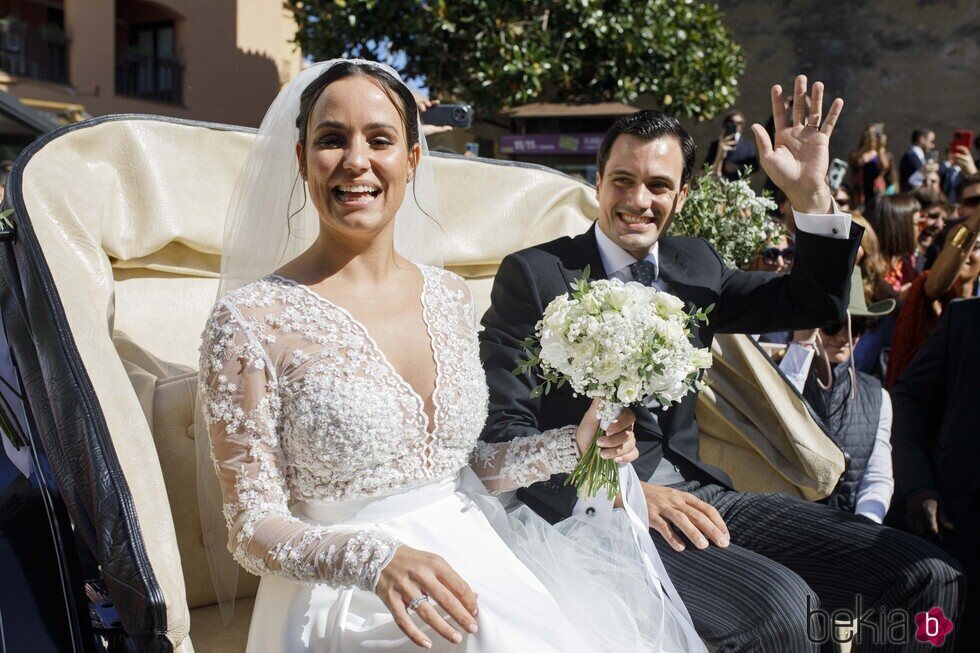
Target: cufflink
x=835, y=231
x=590, y=511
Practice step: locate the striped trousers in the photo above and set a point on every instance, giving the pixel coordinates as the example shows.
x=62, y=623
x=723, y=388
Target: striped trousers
x=792, y=563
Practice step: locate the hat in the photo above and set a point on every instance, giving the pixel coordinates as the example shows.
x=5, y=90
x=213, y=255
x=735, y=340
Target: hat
x=857, y=304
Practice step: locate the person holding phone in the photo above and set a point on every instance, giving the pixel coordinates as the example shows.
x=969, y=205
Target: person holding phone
x=730, y=154
x=959, y=164
x=871, y=165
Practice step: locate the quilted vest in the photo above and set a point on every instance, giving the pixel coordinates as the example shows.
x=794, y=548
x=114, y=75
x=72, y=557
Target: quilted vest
x=852, y=423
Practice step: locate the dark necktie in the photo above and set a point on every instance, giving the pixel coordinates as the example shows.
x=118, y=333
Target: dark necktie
x=644, y=272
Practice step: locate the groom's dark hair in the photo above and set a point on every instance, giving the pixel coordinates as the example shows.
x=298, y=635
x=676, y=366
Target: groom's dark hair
x=649, y=125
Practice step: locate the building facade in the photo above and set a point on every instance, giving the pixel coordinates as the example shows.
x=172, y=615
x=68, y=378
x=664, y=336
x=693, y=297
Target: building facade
x=221, y=61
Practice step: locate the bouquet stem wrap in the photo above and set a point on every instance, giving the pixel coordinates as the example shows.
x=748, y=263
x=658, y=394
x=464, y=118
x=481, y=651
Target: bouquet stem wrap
x=593, y=472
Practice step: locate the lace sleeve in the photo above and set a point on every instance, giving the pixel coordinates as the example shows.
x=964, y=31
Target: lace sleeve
x=240, y=400
x=505, y=466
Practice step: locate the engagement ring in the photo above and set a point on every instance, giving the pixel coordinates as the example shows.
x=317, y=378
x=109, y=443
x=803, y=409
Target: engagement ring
x=417, y=602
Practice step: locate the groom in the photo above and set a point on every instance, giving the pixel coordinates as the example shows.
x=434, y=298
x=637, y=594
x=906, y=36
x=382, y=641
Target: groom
x=751, y=568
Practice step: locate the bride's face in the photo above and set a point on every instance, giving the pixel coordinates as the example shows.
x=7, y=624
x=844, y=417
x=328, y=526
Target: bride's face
x=356, y=159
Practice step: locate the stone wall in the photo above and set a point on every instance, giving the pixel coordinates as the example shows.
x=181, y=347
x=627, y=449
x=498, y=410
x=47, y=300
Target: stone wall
x=906, y=63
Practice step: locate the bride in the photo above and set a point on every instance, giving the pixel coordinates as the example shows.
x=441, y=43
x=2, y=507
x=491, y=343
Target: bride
x=343, y=395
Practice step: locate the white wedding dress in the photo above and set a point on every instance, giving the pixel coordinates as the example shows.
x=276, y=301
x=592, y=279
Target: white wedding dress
x=327, y=463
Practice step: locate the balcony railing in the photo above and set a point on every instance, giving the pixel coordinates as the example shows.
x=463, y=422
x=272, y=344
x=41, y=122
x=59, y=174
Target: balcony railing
x=151, y=78
x=41, y=53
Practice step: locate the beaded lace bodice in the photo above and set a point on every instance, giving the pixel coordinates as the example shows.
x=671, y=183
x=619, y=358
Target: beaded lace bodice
x=302, y=405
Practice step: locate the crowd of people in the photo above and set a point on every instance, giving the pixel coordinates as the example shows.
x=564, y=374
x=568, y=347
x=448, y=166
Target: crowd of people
x=890, y=383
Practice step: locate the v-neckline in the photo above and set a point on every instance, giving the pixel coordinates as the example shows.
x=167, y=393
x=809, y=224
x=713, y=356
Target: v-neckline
x=428, y=422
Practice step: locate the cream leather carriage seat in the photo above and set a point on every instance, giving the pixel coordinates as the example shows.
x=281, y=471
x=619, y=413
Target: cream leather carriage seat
x=130, y=212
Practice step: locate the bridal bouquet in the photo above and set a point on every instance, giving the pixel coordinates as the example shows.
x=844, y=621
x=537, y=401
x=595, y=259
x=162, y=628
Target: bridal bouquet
x=625, y=344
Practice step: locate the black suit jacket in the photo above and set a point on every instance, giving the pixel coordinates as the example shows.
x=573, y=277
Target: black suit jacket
x=908, y=166
x=813, y=294
x=936, y=425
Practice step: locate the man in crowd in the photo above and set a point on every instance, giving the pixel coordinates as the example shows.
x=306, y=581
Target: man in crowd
x=916, y=158
x=936, y=447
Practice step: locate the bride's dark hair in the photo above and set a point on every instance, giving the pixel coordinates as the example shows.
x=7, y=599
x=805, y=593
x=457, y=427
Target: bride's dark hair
x=406, y=105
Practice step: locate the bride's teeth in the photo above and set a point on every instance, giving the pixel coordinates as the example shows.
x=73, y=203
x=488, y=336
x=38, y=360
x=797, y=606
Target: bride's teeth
x=356, y=189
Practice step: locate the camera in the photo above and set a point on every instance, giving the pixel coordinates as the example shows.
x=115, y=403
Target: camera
x=449, y=115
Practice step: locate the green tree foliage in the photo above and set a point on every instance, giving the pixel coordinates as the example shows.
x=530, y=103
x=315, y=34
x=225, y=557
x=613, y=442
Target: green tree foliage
x=500, y=53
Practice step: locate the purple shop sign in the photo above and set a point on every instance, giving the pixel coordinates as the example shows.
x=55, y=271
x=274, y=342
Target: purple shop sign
x=550, y=143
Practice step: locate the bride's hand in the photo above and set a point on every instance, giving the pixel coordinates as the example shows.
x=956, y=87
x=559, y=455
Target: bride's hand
x=618, y=443
x=412, y=573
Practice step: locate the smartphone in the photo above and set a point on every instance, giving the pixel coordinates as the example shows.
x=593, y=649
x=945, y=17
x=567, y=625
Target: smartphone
x=835, y=174
x=962, y=138
x=449, y=115
x=473, y=148
x=730, y=129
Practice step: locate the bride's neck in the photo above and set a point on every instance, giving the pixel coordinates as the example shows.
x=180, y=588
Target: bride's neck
x=358, y=263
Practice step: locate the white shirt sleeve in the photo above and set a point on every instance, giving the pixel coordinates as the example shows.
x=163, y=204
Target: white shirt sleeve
x=874, y=493
x=832, y=225
x=916, y=179
x=796, y=364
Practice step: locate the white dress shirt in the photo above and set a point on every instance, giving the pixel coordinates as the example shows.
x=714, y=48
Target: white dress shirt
x=874, y=492
x=617, y=261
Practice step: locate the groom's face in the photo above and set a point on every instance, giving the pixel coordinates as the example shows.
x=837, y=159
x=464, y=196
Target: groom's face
x=640, y=190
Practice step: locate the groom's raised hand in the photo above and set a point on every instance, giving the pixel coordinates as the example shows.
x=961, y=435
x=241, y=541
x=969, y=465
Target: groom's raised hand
x=798, y=160
x=698, y=521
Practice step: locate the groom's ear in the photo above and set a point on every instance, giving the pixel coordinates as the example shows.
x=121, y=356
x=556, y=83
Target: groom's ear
x=681, y=198
x=598, y=184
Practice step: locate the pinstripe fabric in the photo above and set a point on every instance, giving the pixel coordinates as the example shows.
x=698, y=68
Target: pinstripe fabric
x=752, y=595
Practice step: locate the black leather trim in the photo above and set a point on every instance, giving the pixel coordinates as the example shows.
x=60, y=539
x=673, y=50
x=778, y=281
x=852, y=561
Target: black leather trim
x=70, y=420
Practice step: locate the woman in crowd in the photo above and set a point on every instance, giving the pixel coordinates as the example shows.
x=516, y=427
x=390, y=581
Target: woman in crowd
x=872, y=166
x=893, y=218
x=873, y=267
x=954, y=276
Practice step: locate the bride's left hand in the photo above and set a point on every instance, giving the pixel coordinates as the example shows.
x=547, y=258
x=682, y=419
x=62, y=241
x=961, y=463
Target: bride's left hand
x=619, y=442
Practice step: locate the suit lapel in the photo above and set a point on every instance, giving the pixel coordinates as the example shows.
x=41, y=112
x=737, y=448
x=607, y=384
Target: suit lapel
x=585, y=253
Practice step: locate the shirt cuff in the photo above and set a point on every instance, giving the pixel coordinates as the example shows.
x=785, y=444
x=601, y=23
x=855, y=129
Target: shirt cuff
x=872, y=509
x=796, y=364
x=832, y=225
x=593, y=506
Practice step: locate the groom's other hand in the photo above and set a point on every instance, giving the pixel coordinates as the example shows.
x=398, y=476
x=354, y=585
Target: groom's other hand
x=697, y=520
x=797, y=161
x=619, y=442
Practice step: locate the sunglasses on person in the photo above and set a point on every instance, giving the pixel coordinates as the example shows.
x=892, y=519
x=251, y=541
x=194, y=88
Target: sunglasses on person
x=859, y=325
x=970, y=201
x=771, y=255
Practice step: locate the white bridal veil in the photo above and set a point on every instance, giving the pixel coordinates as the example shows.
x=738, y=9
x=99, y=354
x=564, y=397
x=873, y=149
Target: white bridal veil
x=270, y=221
